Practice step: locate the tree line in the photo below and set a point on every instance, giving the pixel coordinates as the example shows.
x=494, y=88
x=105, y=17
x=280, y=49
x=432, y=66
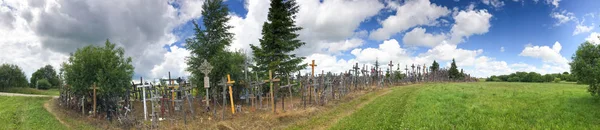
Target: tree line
x=532, y=77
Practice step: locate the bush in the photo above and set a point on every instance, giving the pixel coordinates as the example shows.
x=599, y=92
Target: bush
x=43, y=84
x=556, y=80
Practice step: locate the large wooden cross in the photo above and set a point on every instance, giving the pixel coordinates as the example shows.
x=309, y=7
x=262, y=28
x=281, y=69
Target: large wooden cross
x=270, y=81
x=312, y=76
x=229, y=83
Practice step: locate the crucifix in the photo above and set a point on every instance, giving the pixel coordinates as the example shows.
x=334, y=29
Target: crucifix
x=206, y=68
x=391, y=65
x=270, y=81
x=356, y=75
x=312, y=76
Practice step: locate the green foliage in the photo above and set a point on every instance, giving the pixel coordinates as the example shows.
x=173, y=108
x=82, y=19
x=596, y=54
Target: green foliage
x=279, y=40
x=453, y=72
x=11, y=76
x=47, y=72
x=528, y=77
x=210, y=43
x=434, y=66
x=398, y=75
x=42, y=84
x=106, y=66
x=586, y=66
x=557, y=80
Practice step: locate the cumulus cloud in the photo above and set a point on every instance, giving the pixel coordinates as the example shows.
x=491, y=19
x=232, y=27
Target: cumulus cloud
x=447, y=52
x=412, y=13
x=331, y=21
x=546, y=53
x=247, y=31
x=418, y=37
x=469, y=23
x=594, y=38
x=53, y=29
x=174, y=63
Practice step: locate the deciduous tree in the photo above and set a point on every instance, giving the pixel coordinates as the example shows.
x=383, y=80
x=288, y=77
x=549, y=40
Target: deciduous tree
x=586, y=66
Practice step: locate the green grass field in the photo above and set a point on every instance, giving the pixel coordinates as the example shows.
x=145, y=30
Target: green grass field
x=51, y=92
x=482, y=105
x=26, y=113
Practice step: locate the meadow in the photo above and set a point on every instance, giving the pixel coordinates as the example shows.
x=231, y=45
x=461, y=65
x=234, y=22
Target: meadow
x=26, y=113
x=481, y=105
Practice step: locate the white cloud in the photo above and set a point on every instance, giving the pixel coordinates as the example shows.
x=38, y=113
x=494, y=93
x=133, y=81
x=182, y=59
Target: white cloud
x=582, y=29
x=553, y=2
x=594, y=38
x=337, y=47
x=388, y=50
x=328, y=63
x=501, y=49
x=45, y=32
x=412, y=13
x=331, y=21
x=248, y=30
x=562, y=17
x=469, y=23
x=547, y=54
x=447, y=52
x=418, y=37
x=174, y=63
x=493, y=3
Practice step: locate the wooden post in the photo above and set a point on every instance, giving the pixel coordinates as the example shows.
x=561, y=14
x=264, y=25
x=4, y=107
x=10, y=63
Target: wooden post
x=271, y=85
x=229, y=83
x=94, y=112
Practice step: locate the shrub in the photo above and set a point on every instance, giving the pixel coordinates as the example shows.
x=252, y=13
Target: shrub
x=43, y=84
x=556, y=80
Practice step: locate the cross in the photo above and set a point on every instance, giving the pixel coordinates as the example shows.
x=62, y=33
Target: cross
x=270, y=81
x=205, y=67
x=390, y=69
x=229, y=83
x=311, y=77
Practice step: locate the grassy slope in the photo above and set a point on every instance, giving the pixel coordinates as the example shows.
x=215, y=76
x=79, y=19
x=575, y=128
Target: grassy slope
x=480, y=105
x=26, y=113
x=51, y=92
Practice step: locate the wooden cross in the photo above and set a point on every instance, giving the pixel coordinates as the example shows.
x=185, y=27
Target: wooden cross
x=206, y=68
x=390, y=69
x=311, y=77
x=270, y=81
x=229, y=83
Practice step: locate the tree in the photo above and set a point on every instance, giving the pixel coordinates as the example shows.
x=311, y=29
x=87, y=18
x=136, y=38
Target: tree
x=43, y=84
x=586, y=66
x=11, y=76
x=453, y=72
x=210, y=43
x=435, y=66
x=47, y=72
x=105, y=66
x=279, y=40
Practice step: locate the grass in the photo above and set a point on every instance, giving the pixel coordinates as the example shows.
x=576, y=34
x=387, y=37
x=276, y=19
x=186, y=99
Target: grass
x=51, y=92
x=26, y=113
x=481, y=105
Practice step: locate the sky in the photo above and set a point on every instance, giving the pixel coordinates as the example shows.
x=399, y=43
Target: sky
x=485, y=37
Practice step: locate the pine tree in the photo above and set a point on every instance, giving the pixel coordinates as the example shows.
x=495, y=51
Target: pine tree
x=210, y=43
x=453, y=72
x=435, y=66
x=279, y=40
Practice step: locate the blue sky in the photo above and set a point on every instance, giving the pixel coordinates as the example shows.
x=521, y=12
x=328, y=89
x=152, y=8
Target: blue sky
x=514, y=25
x=536, y=35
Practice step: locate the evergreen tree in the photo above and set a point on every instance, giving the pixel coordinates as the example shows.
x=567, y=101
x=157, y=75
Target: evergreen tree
x=210, y=44
x=279, y=40
x=435, y=66
x=453, y=72
x=376, y=67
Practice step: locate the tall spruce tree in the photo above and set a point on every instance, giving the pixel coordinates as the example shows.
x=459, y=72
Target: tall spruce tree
x=434, y=66
x=453, y=72
x=279, y=40
x=210, y=43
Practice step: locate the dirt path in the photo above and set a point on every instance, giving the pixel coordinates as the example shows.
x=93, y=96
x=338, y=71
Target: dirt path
x=350, y=111
x=49, y=109
x=25, y=95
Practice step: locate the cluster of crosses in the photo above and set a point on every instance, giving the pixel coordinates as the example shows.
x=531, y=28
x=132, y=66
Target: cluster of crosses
x=168, y=102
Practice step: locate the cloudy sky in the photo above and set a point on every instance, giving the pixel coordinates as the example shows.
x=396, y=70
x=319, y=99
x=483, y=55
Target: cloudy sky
x=486, y=37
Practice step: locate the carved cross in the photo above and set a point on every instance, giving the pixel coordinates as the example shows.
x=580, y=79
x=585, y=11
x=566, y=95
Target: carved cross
x=205, y=67
x=270, y=81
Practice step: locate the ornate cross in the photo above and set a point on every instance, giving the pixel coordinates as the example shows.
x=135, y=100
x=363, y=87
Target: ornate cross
x=205, y=67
